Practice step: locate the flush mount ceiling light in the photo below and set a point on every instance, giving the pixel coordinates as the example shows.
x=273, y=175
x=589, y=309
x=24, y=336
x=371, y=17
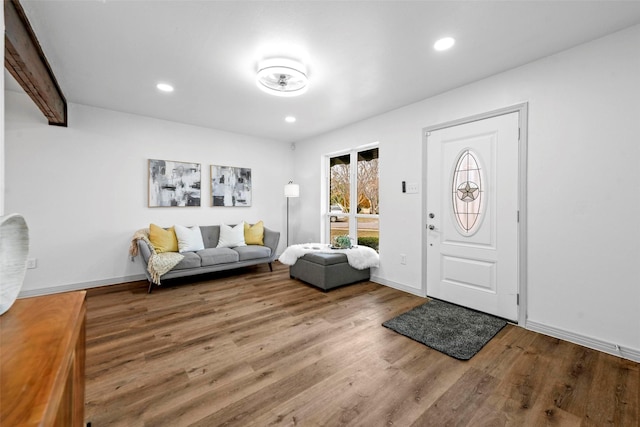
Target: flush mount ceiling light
x=282, y=77
x=290, y=119
x=444, y=43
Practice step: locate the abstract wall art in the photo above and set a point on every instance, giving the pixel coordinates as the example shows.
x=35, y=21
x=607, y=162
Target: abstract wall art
x=230, y=186
x=173, y=183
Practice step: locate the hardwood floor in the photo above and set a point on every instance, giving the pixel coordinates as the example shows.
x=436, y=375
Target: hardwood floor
x=260, y=349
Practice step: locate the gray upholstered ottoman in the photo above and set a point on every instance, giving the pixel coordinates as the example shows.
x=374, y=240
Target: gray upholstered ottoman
x=326, y=270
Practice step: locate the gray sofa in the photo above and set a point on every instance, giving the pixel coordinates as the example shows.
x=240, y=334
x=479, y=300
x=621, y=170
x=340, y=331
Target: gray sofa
x=212, y=259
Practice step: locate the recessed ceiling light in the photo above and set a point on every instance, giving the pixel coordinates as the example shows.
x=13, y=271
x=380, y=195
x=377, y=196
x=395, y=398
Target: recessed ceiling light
x=290, y=119
x=444, y=43
x=164, y=87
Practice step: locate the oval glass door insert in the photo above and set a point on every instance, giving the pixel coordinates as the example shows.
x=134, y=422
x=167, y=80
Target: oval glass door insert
x=467, y=191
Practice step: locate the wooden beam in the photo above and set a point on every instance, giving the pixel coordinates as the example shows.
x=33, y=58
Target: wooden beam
x=25, y=60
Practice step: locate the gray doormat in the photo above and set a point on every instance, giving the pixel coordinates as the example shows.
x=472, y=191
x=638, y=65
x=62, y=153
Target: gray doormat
x=453, y=330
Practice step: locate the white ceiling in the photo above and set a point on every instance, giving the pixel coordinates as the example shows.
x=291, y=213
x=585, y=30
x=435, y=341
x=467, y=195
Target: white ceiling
x=364, y=57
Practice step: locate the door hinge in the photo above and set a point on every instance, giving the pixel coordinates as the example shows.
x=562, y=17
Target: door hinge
x=518, y=134
x=517, y=299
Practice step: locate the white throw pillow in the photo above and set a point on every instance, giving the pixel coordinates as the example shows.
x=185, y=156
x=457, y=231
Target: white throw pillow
x=230, y=237
x=189, y=238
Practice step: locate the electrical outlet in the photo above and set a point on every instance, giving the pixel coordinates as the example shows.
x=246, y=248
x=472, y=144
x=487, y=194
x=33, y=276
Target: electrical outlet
x=403, y=259
x=32, y=263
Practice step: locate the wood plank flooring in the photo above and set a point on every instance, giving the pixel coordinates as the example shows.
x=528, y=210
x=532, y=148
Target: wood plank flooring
x=256, y=348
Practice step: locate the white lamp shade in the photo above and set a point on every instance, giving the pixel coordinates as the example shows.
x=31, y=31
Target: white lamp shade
x=292, y=190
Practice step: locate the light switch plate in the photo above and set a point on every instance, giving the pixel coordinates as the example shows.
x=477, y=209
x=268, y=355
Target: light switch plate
x=412, y=187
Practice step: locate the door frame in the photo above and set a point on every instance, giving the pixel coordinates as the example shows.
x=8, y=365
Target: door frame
x=522, y=109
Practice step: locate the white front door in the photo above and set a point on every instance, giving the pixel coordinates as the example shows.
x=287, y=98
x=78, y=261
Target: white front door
x=472, y=215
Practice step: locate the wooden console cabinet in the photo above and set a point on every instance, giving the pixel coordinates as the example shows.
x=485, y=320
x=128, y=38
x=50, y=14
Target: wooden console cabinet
x=42, y=355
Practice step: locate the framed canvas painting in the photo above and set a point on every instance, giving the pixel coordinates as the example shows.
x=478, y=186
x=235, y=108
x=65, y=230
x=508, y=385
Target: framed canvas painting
x=230, y=186
x=173, y=183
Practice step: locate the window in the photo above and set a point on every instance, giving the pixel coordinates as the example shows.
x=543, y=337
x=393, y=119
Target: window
x=354, y=173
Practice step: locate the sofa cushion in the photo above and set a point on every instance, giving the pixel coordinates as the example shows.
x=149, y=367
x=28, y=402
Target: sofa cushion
x=230, y=237
x=163, y=240
x=210, y=235
x=254, y=234
x=189, y=238
x=252, y=252
x=213, y=256
x=190, y=260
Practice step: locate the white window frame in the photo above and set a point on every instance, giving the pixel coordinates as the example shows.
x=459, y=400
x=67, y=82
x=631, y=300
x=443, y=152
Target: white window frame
x=353, y=189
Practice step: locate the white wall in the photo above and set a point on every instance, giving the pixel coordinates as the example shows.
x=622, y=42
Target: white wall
x=83, y=189
x=583, y=230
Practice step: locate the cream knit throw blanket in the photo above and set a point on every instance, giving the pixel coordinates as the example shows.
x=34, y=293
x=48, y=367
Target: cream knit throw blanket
x=359, y=257
x=159, y=263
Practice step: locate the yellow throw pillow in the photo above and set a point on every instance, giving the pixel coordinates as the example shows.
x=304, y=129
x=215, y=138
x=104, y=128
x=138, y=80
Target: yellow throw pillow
x=254, y=234
x=163, y=240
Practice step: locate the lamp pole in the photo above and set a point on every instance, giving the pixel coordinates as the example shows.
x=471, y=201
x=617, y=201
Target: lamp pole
x=290, y=190
x=288, y=221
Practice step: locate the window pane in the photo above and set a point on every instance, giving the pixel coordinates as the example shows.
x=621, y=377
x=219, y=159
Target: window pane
x=368, y=202
x=339, y=194
x=368, y=232
x=338, y=227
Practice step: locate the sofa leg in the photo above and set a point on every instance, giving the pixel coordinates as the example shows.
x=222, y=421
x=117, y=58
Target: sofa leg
x=150, y=287
x=270, y=267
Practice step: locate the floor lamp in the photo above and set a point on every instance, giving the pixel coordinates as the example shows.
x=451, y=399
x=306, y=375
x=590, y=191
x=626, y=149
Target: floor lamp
x=290, y=190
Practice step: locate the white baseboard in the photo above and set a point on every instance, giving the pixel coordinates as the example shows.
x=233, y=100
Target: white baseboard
x=589, y=342
x=398, y=286
x=80, y=286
